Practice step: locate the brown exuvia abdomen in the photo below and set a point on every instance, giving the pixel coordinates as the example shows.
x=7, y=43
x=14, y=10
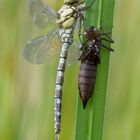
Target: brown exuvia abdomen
x=87, y=77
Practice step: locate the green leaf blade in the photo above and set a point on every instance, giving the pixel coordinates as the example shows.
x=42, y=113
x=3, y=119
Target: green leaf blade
x=89, y=122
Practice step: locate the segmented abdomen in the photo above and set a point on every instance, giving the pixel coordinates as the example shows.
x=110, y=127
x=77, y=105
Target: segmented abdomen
x=66, y=40
x=87, y=77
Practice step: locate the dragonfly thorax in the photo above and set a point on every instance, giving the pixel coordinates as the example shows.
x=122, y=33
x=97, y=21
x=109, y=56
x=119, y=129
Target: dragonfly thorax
x=67, y=16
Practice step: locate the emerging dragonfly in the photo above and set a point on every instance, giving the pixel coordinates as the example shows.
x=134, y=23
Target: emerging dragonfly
x=89, y=60
x=40, y=49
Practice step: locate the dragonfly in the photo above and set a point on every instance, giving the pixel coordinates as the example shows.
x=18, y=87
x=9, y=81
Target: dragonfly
x=90, y=58
x=61, y=26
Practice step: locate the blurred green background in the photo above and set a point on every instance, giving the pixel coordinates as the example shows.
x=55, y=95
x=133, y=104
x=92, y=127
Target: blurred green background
x=26, y=90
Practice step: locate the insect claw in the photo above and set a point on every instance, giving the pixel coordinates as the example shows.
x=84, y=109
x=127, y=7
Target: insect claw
x=108, y=48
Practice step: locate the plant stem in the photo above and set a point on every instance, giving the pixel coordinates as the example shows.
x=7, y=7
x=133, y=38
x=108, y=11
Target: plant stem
x=89, y=122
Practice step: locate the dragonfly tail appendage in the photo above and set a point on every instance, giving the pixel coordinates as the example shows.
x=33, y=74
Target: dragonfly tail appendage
x=56, y=137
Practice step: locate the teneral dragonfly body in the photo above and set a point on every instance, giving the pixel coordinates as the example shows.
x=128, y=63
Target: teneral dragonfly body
x=89, y=60
x=39, y=49
x=66, y=40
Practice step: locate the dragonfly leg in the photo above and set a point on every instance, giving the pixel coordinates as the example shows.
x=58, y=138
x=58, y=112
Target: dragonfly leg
x=106, y=34
x=83, y=45
x=108, y=39
x=87, y=7
x=108, y=48
x=81, y=18
x=84, y=54
x=97, y=50
x=81, y=2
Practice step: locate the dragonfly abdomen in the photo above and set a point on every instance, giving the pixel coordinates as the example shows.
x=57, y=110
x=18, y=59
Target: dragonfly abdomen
x=66, y=39
x=87, y=78
x=58, y=89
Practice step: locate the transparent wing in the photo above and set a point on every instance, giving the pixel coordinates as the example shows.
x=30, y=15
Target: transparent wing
x=74, y=53
x=42, y=48
x=42, y=15
x=74, y=50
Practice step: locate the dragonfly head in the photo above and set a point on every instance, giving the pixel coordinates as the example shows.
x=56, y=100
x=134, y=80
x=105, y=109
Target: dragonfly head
x=92, y=33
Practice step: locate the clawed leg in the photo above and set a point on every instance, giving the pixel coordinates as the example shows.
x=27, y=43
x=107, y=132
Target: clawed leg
x=87, y=7
x=106, y=34
x=84, y=54
x=83, y=45
x=108, y=39
x=81, y=2
x=110, y=49
x=81, y=18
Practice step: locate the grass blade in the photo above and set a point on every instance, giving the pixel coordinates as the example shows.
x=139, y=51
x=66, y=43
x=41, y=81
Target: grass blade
x=89, y=122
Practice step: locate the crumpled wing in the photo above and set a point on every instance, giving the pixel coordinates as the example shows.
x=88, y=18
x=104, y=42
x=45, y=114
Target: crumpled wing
x=42, y=15
x=43, y=48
